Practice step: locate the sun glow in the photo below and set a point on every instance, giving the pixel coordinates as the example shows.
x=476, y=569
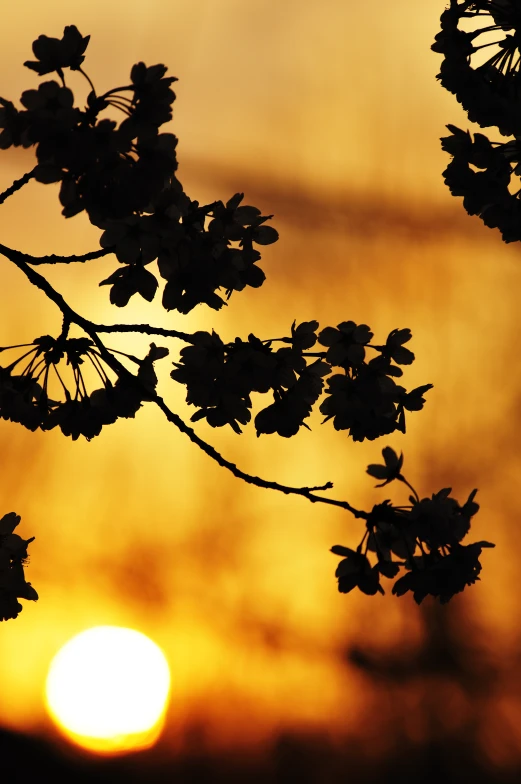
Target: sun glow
x=107, y=689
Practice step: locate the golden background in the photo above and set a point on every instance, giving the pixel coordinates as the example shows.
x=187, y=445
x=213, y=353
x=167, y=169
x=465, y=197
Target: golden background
x=329, y=116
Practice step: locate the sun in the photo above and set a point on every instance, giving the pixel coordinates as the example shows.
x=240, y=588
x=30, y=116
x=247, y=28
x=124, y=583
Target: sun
x=107, y=689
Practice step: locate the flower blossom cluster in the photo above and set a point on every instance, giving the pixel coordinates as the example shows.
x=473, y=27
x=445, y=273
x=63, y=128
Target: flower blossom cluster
x=13, y=557
x=363, y=399
x=25, y=396
x=123, y=176
x=424, y=539
x=202, y=252
x=486, y=173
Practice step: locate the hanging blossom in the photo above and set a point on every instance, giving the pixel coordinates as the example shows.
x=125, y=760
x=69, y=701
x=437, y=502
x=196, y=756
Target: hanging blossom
x=424, y=539
x=25, y=386
x=485, y=173
x=13, y=558
x=490, y=92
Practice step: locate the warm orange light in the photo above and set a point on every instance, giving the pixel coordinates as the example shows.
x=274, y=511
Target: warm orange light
x=107, y=689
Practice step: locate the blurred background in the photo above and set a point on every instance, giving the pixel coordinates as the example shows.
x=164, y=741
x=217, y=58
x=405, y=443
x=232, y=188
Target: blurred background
x=328, y=116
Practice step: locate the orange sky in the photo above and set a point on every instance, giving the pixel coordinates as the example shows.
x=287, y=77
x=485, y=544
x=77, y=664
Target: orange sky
x=329, y=116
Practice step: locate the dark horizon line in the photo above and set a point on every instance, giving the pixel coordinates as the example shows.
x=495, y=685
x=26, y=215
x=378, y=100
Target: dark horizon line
x=349, y=209
x=303, y=205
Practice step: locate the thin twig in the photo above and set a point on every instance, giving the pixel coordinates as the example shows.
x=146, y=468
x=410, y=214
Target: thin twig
x=34, y=261
x=306, y=492
x=53, y=258
x=91, y=329
x=146, y=329
x=17, y=184
x=25, y=262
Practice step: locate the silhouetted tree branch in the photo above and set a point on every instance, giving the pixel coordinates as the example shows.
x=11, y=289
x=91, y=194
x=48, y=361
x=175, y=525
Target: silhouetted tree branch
x=123, y=177
x=17, y=185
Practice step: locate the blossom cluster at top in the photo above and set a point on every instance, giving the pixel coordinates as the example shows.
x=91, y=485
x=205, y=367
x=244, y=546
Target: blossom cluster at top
x=123, y=176
x=485, y=172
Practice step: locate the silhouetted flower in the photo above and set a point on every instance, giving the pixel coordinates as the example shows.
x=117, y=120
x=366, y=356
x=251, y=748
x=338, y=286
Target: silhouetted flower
x=50, y=111
x=366, y=401
x=394, y=348
x=425, y=536
x=221, y=377
x=13, y=556
x=303, y=336
x=442, y=576
x=151, y=105
x=24, y=397
x=440, y=520
x=54, y=54
x=131, y=182
x=10, y=607
x=489, y=92
x=345, y=343
x=200, y=261
x=413, y=400
x=14, y=126
x=389, y=533
x=366, y=405
x=112, y=172
x=390, y=471
x=195, y=260
x=286, y=415
x=146, y=373
x=355, y=571
x=485, y=192
x=132, y=279
x=133, y=239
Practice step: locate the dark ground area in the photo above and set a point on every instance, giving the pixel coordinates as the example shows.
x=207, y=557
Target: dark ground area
x=450, y=657
x=27, y=760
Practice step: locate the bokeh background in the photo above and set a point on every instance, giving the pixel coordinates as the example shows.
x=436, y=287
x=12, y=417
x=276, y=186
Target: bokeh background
x=328, y=116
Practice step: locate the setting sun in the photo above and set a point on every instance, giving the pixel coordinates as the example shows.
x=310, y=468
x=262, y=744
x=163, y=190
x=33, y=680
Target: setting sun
x=107, y=689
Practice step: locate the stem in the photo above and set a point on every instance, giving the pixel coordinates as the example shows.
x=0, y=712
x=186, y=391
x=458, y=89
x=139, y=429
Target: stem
x=35, y=261
x=67, y=395
x=45, y=380
x=62, y=337
x=121, y=106
x=25, y=263
x=360, y=546
x=485, y=30
x=80, y=383
x=123, y=99
x=32, y=367
x=19, y=345
x=484, y=46
x=17, y=184
x=123, y=354
x=410, y=554
x=118, y=90
x=12, y=366
x=404, y=480
x=88, y=79
x=146, y=329
x=20, y=261
x=102, y=375
x=306, y=492
x=91, y=329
